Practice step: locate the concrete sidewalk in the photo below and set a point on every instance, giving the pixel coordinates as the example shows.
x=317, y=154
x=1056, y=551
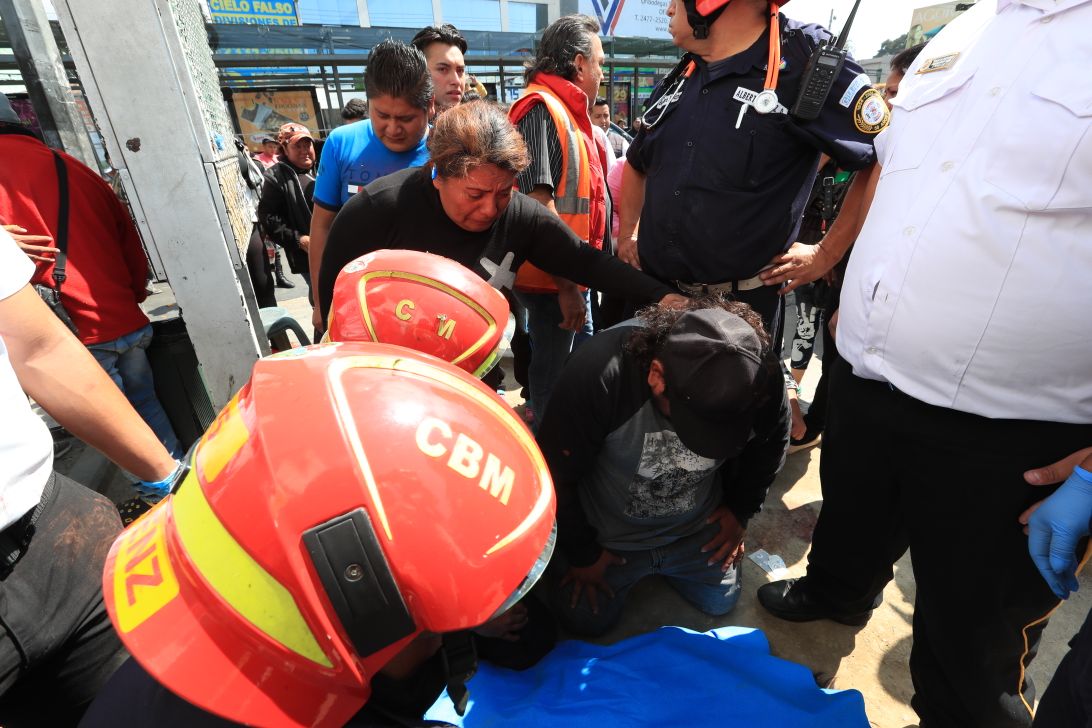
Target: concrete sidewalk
x=872, y=659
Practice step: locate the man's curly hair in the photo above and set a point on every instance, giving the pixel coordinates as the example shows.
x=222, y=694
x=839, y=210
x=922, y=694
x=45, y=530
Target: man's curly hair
x=646, y=341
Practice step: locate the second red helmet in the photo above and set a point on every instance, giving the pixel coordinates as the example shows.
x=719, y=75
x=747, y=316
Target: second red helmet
x=420, y=301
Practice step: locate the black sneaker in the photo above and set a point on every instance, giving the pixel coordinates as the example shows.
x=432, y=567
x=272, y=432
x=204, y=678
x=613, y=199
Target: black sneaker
x=792, y=601
x=810, y=439
x=282, y=282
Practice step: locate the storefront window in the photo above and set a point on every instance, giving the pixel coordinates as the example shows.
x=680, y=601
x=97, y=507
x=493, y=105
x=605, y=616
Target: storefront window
x=400, y=13
x=527, y=17
x=472, y=14
x=328, y=12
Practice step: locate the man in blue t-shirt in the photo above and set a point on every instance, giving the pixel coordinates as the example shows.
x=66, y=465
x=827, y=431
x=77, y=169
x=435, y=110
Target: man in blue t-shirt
x=400, y=103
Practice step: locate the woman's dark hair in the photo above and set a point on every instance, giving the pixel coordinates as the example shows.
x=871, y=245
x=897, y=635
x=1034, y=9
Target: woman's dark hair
x=470, y=135
x=446, y=33
x=646, y=341
x=901, y=62
x=399, y=71
x=565, y=39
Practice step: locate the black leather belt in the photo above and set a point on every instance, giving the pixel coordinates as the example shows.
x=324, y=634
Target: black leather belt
x=701, y=289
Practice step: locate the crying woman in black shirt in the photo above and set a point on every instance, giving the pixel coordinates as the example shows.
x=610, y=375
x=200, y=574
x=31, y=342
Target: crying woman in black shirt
x=463, y=206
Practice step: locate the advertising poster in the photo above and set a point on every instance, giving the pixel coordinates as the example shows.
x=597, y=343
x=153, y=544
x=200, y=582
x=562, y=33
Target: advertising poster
x=629, y=18
x=254, y=12
x=928, y=21
x=266, y=110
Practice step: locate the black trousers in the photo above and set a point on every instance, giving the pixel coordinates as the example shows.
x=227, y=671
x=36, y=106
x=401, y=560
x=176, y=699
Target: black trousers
x=816, y=417
x=1067, y=702
x=897, y=472
x=261, y=272
x=57, y=645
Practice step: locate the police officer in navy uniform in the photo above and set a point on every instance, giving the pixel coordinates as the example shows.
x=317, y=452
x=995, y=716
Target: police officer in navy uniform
x=720, y=172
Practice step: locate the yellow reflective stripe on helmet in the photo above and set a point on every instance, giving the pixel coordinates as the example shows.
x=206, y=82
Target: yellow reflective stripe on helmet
x=236, y=577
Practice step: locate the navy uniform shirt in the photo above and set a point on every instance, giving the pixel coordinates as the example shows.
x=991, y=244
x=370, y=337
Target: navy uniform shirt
x=721, y=202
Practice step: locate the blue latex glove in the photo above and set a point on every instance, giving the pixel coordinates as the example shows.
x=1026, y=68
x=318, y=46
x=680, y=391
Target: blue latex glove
x=1055, y=528
x=155, y=491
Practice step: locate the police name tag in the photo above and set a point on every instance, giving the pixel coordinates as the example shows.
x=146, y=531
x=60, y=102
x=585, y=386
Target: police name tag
x=750, y=99
x=940, y=63
x=745, y=96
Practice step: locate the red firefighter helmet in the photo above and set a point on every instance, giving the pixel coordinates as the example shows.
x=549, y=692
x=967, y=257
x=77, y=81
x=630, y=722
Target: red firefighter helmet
x=703, y=13
x=421, y=301
x=349, y=497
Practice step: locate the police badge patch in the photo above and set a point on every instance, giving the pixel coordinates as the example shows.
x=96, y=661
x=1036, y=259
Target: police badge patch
x=871, y=115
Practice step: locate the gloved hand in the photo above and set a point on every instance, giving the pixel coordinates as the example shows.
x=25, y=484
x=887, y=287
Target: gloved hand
x=1055, y=528
x=153, y=492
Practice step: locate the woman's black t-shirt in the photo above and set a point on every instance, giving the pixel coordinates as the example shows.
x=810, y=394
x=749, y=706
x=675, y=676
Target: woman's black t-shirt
x=403, y=211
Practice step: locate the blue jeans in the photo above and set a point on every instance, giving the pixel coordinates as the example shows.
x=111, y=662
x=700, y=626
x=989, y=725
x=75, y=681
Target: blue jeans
x=681, y=563
x=550, y=345
x=125, y=360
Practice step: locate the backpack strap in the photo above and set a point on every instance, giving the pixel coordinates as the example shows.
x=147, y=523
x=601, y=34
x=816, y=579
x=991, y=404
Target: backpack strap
x=61, y=237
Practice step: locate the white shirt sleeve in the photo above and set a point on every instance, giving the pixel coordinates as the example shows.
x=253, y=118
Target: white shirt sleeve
x=16, y=268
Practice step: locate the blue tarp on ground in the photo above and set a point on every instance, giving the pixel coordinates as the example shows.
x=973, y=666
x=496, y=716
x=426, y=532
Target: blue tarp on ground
x=670, y=677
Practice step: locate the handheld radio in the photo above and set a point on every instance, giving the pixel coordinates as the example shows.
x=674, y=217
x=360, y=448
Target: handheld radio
x=823, y=67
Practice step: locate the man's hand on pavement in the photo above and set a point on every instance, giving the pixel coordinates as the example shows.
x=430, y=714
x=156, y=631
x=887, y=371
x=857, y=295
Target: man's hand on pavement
x=590, y=580
x=1055, y=525
x=798, y=265
x=506, y=626
x=627, y=251
x=727, y=545
x=574, y=310
x=35, y=246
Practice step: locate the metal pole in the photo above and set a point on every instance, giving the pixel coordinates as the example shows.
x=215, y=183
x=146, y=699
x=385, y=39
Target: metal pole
x=337, y=87
x=500, y=88
x=326, y=89
x=40, y=62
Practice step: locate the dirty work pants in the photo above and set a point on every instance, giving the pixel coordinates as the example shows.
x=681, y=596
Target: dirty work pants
x=897, y=472
x=57, y=645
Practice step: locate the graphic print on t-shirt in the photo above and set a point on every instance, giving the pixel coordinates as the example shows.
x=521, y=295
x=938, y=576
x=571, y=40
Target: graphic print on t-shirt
x=666, y=477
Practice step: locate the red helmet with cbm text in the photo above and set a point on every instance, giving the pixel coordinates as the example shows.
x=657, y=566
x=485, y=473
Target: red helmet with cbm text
x=350, y=497
x=421, y=301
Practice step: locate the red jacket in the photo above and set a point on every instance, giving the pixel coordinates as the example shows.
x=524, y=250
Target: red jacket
x=107, y=270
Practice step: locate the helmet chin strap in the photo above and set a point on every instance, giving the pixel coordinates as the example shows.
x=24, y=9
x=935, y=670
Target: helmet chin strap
x=700, y=24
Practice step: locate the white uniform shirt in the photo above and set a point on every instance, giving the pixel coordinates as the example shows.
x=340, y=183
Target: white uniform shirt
x=26, y=448
x=970, y=286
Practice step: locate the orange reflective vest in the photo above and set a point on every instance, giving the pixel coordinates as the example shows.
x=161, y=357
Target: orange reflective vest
x=580, y=196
